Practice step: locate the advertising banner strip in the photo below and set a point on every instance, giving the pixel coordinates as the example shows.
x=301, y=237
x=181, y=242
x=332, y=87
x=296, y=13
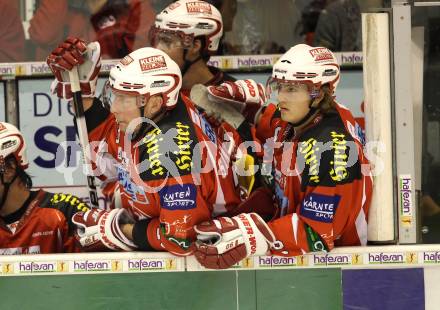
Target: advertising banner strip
x=129, y=262
x=354, y=260
x=29, y=265
x=227, y=63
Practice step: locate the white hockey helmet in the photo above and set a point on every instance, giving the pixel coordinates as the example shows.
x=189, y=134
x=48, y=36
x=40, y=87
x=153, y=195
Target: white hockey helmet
x=12, y=143
x=189, y=19
x=315, y=66
x=147, y=72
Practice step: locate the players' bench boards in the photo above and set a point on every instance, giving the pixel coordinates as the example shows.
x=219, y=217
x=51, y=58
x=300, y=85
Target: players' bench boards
x=388, y=277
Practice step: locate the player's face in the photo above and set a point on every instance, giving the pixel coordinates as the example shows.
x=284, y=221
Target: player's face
x=125, y=109
x=9, y=173
x=293, y=101
x=170, y=44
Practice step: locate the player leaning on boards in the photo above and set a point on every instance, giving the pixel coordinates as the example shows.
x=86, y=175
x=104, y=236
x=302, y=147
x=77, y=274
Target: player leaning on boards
x=321, y=182
x=31, y=222
x=163, y=191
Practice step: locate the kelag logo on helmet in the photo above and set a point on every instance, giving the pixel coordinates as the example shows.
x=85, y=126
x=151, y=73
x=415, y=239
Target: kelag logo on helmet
x=152, y=63
x=198, y=7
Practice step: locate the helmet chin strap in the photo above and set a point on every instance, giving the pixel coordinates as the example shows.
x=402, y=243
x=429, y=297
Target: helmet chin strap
x=6, y=189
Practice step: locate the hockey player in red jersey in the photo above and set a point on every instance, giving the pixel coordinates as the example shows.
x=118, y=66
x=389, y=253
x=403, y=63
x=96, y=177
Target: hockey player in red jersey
x=320, y=177
x=172, y=169
x=31, y=222
x=190, y=32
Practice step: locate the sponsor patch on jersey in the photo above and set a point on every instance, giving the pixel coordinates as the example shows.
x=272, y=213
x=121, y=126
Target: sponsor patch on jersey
x=283, y=201
x=198, y=7
x=168, y=153
x=60, y=199
x=207, y=129
x=338, y=170
x=321, y=53
x=320, y=207
x=314, y=240
x=178, y=197
x=38, y=234
x=309, y=155
x=356, y=132
x=152, y=63
x=136, y=193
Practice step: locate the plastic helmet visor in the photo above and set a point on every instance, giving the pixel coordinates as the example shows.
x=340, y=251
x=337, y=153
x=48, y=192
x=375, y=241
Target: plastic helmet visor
x=164, y=39
x=275, y=87
x=111, y=96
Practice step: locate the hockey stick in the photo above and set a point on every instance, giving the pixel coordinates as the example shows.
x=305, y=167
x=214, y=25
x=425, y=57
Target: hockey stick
x=82, y=133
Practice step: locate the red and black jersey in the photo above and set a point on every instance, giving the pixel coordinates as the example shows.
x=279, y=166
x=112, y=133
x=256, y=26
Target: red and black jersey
x=244, y=133
x=175, y=175
x=322, y=185
x=42, y=225
x=221, y=128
